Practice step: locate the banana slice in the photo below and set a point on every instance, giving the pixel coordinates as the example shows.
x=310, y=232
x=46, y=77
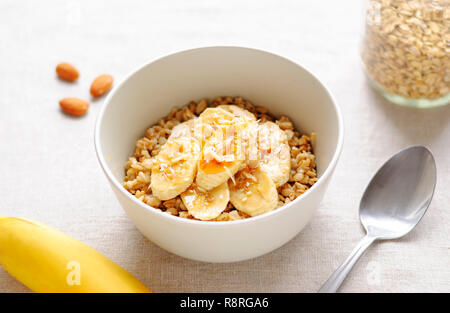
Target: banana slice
x=212, y=173
x=237, y=111
x=274, y=152
x=249, y=130
x=222, y=154
x=184, y=129
x=216, y=116
x=206, y=204
x=253, y=191
x=209, y=122
x=175, y=167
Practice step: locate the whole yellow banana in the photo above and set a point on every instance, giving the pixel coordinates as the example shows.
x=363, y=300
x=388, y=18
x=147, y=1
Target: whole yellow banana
x=47, y=260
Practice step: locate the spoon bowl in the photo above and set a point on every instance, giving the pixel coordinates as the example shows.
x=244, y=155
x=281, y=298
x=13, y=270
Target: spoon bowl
x=399, y=194
x=394, y=202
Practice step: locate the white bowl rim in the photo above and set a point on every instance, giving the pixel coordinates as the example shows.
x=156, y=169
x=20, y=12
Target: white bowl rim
x=215, y=224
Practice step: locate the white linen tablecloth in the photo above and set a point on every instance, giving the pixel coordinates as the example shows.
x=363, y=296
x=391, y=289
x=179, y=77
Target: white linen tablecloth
x=49, y=171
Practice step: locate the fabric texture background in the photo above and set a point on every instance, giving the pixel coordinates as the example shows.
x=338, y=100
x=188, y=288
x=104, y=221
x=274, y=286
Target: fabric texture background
x=49, y=171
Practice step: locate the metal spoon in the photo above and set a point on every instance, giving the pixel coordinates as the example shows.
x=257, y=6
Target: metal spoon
x=394, y=202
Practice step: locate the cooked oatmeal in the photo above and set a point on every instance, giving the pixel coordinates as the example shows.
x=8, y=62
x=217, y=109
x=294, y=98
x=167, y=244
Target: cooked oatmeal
x=138, y=177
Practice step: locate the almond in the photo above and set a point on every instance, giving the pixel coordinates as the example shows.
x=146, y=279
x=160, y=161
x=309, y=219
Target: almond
x=101, y=85
x=67, y=72
x=74, y=106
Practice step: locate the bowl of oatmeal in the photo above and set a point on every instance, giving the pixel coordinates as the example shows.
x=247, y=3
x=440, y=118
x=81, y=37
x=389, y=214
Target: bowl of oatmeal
x=219, y=154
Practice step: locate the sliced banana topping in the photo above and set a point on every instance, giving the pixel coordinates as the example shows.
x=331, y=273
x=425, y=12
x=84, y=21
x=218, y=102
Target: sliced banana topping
x=274, y=152
x=223, y=155
x=206, y=204
x=174, y=167
x=222, y=152
x=253, y=191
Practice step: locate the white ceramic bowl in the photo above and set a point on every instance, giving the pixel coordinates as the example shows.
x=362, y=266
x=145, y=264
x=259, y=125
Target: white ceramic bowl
x=268, y=80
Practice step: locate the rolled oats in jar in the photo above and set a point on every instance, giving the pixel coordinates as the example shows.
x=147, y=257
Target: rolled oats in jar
x=406, y=50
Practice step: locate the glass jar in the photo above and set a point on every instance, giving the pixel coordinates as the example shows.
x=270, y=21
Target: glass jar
x=406, y=50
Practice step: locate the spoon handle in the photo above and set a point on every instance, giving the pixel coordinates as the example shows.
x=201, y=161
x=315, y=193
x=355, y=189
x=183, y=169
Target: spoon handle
x=334, y=282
